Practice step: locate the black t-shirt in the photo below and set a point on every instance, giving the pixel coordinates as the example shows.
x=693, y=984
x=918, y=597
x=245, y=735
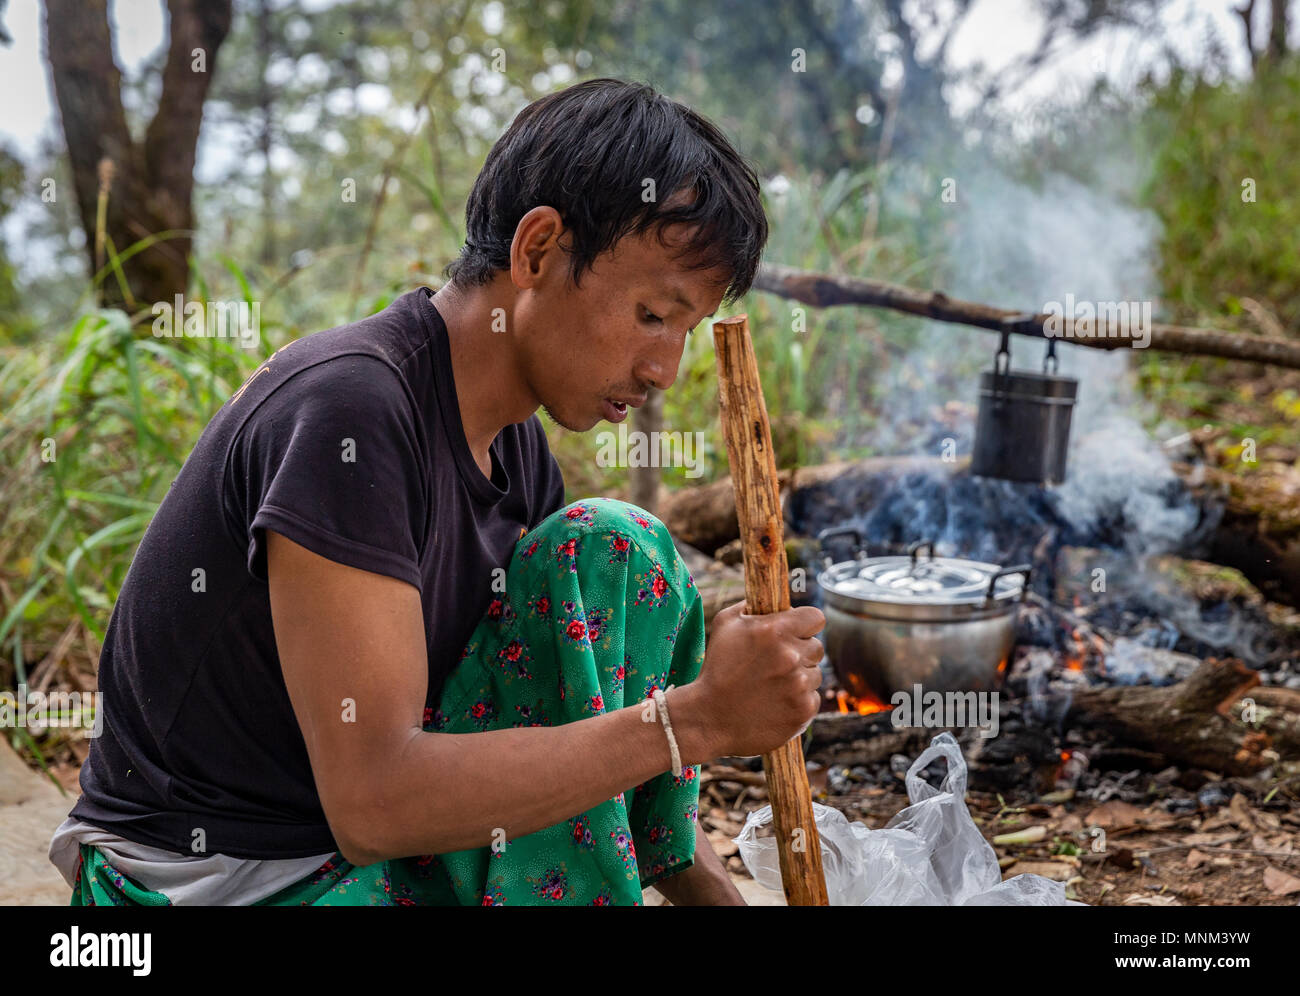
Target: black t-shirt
x=349, y=442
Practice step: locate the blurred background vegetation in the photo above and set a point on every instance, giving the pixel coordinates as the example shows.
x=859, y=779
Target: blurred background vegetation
x=405, y=98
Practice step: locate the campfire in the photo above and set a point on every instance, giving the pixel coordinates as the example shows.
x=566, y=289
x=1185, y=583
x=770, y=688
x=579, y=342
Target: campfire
x=1151, y=698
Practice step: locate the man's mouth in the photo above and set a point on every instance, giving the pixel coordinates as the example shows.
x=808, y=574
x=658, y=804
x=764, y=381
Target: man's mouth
x=616, y=409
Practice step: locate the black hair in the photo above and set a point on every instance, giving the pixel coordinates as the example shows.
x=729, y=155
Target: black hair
x=587, y=151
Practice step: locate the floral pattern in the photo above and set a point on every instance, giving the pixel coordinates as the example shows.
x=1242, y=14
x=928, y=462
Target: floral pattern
x=611, y=612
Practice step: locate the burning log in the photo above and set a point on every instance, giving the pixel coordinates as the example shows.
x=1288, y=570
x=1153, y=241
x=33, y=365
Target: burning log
x=1220, y=718
x=823, y=290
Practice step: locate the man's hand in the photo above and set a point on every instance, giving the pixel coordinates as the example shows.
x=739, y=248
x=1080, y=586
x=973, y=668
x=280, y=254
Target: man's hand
x=758, y=686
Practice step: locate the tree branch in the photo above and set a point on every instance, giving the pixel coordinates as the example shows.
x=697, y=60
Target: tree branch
x=1247, y=12
x=823, y=290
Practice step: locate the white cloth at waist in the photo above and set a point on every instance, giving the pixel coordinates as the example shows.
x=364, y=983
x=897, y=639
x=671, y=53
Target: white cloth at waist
x=185, y=879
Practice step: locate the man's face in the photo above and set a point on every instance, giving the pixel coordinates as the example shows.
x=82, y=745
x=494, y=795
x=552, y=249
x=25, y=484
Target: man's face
x=590, y=353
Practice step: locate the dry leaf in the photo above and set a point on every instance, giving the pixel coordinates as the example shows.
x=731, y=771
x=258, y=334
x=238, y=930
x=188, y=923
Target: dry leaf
x=1209, y=839
x=1157, y=819
x=1054, y=870
x=1114, y=815
x=1218, y=821
x=1279, y=882
x=1240, y=813
x=1137, y=899
x=723, y=846
x=1269, y=821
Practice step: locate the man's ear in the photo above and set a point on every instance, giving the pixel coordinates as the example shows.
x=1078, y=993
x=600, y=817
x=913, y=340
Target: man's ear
x=535, y=253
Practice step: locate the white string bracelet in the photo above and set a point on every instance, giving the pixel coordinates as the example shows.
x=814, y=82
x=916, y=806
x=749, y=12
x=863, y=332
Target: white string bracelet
x=661, y=705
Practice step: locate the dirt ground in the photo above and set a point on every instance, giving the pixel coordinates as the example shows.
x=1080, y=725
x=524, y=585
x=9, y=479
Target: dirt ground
x=30, y=810
x=1238, y=855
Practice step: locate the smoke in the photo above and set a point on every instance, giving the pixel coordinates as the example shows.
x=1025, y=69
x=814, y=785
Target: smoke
x=1021, y=245
x=1119, y=476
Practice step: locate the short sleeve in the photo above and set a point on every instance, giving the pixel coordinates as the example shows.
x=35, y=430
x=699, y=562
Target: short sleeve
x=334, y=459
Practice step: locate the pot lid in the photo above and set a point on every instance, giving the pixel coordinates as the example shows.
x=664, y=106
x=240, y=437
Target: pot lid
x=939, y=580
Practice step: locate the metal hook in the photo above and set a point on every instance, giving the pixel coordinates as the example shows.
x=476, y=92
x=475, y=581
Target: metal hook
x=1002, y=360
x=1050, y=362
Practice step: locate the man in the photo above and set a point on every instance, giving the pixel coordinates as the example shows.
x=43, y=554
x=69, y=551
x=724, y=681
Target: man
x=333, y=552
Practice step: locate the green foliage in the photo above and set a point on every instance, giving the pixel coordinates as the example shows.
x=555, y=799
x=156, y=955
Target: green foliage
x=1218, y=247
x=15, y=324
x=95, y=423
x=1225, y=186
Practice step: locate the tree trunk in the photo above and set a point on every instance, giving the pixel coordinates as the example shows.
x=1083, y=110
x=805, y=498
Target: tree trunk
x=266, y=136
x=150, y=184
x=1277, y=34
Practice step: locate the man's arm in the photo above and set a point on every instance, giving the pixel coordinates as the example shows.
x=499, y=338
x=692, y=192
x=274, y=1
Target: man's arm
x=352, y=650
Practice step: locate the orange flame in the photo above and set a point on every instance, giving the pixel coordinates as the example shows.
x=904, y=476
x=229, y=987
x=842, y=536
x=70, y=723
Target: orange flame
x=1074, y=660
x=862, y=706
x=1060, y=768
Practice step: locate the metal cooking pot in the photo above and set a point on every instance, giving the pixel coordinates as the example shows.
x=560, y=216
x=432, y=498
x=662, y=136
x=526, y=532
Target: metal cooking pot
x=944, y=623
x=1022, y=432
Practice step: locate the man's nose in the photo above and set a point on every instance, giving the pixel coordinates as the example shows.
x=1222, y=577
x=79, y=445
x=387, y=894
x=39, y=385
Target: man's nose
x=660, y=369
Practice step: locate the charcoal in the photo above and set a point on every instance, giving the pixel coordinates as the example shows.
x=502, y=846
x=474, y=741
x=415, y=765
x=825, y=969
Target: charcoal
x=1212, y=796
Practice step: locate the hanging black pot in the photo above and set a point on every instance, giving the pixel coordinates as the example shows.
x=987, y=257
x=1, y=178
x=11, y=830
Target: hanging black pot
x=1023, y=429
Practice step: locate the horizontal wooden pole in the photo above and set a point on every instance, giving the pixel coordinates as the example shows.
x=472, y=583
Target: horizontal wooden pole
x=824, y=290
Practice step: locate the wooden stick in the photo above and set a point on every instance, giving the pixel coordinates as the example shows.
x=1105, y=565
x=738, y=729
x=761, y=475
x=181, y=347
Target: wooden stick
x=767, y=589
x=823, y=290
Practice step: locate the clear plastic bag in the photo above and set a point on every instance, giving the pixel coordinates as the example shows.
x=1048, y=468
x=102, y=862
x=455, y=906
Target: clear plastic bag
x=930, y=854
